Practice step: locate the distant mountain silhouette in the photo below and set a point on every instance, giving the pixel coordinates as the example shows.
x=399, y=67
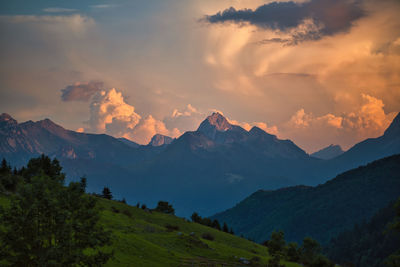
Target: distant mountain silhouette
x=206, y=170
x=370, y=149
x=128, y=142
x=328, y=152
x=320, y=212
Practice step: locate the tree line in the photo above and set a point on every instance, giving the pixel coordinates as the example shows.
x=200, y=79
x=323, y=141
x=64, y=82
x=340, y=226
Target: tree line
x=211, y=223
x=48, y=223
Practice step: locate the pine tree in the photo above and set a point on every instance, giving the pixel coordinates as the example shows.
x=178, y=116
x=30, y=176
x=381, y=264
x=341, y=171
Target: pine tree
x=225, y=228
x=106, y=193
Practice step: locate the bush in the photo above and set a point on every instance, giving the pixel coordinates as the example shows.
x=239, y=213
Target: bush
x=165, y=207
x=208, y=236
x=114, y=209
x=127, y=213
x=171, y=228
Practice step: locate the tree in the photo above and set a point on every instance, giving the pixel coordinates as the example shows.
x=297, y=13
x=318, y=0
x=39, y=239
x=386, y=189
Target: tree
x=309, y=250
x=277, y=242
x=165, y=207
x=8, y=180
x=274, y=261
x=292, y=252
x=48, y=224
x=5, y=167
x=195, y=217
x=394, y=259
x=225, y=228
x=43, y=165
x=106, y=193
x=216, y=225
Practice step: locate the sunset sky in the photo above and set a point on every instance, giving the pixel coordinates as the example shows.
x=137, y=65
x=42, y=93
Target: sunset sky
x=317, y=72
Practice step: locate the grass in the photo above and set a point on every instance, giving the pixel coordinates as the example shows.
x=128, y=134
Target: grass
x=143, y=238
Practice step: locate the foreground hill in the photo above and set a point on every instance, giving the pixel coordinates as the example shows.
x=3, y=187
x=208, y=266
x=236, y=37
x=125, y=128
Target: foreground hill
x=321, y=212
x=145, y=239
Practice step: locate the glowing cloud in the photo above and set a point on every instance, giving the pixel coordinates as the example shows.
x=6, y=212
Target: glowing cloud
x=370, y=120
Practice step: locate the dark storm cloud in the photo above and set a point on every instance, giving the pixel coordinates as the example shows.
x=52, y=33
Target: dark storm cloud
x=333, y=16
x=81, y=91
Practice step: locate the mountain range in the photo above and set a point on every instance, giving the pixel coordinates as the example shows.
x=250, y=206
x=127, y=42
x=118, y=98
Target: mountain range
x=207, y=170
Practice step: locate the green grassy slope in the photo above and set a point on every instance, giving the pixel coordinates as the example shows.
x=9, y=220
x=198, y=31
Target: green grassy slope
x=140, y=238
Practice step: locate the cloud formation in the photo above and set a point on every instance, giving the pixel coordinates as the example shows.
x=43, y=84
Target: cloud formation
x=110, y=114
x=187, y=119
x=370, y=120
x=81, y=91
x=58, y=10
x=316, y=18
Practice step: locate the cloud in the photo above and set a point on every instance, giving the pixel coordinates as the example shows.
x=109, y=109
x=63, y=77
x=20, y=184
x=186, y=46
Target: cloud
x=187, y=119
x=318, y=17
x=147, y=128
x=81, y=91
x=110, y=114
x=102, y=6
x=58, y=10
x=74, y=23
x=369, y=120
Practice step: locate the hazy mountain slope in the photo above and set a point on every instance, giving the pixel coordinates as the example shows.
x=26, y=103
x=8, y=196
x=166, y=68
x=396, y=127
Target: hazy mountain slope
x=370, y=149
x=320, y=212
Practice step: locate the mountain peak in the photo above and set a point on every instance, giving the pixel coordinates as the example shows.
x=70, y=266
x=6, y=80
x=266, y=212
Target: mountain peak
x=6, y=119
x=159, y=140
x=394, y=128
x=217, y=121
x=49, y=124
x=328, y=152
x=214, y=124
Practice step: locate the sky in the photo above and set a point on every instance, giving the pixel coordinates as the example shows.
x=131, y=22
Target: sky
x=318, y=72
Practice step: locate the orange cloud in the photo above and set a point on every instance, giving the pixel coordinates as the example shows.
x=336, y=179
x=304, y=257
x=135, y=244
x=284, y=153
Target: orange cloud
x=369, y=120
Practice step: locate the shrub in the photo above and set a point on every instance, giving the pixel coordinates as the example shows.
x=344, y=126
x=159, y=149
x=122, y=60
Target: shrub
x=208, y=236
x=114, y=209
x=171, y=228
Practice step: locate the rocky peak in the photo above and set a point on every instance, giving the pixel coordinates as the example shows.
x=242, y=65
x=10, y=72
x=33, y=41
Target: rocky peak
x=159, y=140
x=7, y=120
x=213, y=124
x=219, y=122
